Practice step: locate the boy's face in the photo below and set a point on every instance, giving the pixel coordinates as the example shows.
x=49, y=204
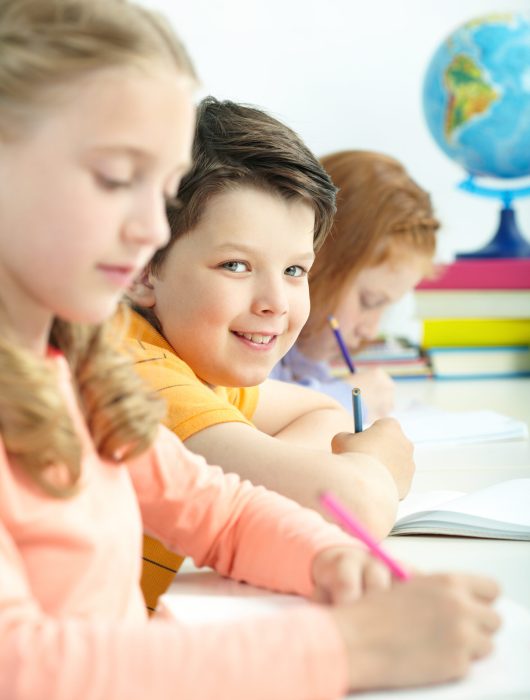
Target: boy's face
x=232, y=295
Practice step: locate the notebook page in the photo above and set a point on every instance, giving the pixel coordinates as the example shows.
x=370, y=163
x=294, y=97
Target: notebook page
x=507, y=501
x=426, y=425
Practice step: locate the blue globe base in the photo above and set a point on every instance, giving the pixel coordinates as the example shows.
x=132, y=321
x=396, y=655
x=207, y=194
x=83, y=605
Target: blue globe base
x=507, y=241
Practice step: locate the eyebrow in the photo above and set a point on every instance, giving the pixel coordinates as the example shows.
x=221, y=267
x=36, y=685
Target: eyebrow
x=232, y=246
x=132, y=151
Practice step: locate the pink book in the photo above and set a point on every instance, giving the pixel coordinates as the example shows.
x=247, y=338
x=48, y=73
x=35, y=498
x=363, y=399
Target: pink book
x=495, y=273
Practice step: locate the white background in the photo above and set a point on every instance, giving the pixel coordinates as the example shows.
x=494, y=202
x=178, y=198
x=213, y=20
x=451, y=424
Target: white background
x=347, y=74
x=344, y=74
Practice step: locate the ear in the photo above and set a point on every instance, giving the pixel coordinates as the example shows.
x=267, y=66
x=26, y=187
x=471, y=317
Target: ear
x=142, y=291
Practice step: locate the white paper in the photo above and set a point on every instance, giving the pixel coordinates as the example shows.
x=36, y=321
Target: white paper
x=501, y=510
x=426, y=425
x=505, y=674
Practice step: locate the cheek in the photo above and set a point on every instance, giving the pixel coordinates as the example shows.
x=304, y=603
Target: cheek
x=299, y=308
x=349, y=314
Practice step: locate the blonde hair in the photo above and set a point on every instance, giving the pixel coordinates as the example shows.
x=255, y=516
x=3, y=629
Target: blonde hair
x=46, y=46
x=381, y=214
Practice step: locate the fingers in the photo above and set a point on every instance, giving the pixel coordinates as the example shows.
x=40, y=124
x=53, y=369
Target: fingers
x=484, y=588
x=483, y=647
x=343, y=575
x=340, y=441
x=487, y=622
x=473, y=597
x=376, y=577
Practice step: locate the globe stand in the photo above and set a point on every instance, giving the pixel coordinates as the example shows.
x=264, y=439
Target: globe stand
x=508, y=241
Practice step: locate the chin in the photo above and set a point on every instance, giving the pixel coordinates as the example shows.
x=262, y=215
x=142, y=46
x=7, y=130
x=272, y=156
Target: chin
x=244, y=379
x=93, y=316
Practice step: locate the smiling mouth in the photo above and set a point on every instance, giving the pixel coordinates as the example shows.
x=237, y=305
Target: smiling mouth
x=257, y=338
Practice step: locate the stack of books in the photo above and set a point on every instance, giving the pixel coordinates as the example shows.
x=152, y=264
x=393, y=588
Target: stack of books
x=475, y=318
x=397, y=356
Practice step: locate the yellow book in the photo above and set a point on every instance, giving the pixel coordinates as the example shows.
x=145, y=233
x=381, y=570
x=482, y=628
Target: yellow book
x=458, y=332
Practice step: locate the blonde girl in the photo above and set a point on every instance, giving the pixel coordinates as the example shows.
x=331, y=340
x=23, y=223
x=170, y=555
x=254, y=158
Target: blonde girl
x=96, y=123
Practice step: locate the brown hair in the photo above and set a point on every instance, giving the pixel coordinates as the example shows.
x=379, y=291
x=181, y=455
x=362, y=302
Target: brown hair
x=381, y=213
x=239, y=145
x=47, y=45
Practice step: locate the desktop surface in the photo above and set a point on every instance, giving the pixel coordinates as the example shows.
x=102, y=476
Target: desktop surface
x=463, y=468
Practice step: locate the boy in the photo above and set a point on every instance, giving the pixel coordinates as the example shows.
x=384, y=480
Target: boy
x=227, y=297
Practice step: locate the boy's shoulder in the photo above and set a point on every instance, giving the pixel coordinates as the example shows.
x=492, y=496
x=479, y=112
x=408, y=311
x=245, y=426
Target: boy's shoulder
x=148, y=349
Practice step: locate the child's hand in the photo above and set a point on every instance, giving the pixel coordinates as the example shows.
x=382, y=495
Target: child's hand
x=385, y=441
x=343, y=574
x=378, y=390
x=427, y=630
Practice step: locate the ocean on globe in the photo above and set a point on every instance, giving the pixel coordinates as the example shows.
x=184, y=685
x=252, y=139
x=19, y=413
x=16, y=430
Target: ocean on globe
x=476, y=95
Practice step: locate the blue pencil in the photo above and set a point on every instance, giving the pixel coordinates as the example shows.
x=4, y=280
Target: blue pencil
x=334, y=325
x=357, y=410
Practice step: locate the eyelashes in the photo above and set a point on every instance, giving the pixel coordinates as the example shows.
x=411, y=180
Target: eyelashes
x=239, y=266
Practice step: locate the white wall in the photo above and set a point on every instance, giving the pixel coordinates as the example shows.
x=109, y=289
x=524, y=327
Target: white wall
x=344, y=74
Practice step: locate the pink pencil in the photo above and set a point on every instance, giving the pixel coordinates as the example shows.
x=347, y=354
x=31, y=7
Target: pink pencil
x=351, y=525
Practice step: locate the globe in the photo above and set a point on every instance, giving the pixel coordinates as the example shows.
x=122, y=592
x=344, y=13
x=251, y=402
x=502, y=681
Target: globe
x=476, y=100
x=476, y=95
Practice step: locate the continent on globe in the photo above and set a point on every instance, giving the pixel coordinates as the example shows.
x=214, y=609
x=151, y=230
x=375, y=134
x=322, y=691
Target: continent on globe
x=468, y=93
x=476, y=101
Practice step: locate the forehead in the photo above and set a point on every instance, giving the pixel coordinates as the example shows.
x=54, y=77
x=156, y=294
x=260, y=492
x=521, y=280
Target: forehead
x=152, y=107
x=255, y=206
x=396, y=274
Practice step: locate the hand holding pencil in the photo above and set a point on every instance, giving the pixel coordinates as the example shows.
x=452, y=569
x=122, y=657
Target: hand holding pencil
x=377, y=385
x=411, y=634
x=385, y=441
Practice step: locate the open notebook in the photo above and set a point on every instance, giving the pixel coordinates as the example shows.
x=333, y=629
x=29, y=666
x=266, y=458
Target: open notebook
x=200, y=598
x=501, y=511
x=426, y=425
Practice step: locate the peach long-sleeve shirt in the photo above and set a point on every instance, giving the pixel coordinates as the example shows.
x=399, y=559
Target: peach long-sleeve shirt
x=72, y=618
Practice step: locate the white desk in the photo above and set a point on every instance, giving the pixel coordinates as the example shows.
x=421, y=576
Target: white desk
x=466, y=468
x=460, y=468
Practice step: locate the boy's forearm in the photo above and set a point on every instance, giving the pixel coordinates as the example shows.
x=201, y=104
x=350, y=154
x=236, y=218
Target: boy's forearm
x=363, y=485
x=366, y=487
x=361, y=481
x=316, y=429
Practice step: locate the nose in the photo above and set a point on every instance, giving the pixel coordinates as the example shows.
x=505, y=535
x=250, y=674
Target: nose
x=368, y=325
x=270, y=297
x=147, y=223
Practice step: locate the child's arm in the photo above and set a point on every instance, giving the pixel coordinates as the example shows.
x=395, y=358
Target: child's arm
x=311, y=419
x=368, y=478
x=361, y=481
x=300, y=415
x=84, y=655
x=223, y=522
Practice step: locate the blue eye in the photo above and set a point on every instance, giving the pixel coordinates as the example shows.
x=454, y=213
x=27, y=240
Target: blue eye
x=295, y=271
x=235, y=266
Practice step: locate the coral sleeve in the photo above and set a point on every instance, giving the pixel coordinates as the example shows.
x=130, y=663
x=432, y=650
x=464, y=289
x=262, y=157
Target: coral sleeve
x=242, y=531
x=42, y=657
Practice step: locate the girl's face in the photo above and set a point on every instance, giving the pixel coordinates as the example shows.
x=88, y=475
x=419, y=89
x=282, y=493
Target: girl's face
x=83, y=194
x=232, y=294
x=364, y=300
